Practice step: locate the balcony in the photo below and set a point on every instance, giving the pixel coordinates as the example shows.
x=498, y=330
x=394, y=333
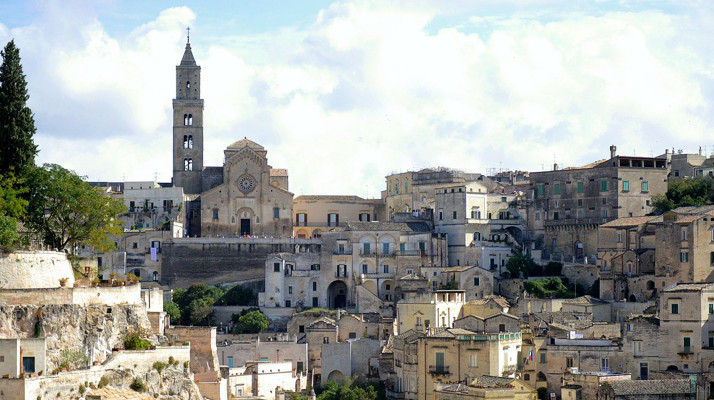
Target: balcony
x=685, y=350
x=413, y=253
x=342, y=252
x=439, y=370
x=341, y=274
x=376, y=275
x=362, y=252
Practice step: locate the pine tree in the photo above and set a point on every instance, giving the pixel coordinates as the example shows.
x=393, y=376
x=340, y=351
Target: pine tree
x=17, y=125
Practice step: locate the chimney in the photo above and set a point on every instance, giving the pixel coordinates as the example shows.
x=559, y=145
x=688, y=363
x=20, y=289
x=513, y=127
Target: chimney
x=666, y=152
x=700, y=150
x=613, y=151
x=555, y=167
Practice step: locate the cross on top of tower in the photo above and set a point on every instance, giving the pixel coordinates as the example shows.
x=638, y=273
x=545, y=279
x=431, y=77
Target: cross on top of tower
x=188, y=34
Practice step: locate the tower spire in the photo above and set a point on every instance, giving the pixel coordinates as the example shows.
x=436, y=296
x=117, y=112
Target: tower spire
x=188, y=35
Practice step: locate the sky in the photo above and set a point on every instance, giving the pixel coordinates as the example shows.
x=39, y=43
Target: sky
x=344, y=93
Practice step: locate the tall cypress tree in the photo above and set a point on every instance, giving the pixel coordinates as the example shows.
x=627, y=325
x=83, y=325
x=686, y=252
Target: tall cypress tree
x=17, y=125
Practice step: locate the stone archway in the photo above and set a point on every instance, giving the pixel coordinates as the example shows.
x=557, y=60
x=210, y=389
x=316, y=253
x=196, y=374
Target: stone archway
x=336, y=376
x=337, y=295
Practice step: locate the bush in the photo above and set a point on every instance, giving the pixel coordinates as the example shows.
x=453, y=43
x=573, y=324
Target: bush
x=82, y=388
x=252, y=322
x=104, y=381
x=237, y=296
x=546, y=288
x=137, y=340
x=138, y=385
x=159, y=366
x=172, y=309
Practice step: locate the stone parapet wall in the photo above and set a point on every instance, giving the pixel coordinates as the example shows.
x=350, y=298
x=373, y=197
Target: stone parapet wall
x=68, y=295
x=34, y=269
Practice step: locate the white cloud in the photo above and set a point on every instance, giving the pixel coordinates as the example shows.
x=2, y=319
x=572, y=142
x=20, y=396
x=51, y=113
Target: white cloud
x=372, y=88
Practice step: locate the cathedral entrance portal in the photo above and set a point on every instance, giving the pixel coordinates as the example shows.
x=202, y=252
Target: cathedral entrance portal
x=245, y=227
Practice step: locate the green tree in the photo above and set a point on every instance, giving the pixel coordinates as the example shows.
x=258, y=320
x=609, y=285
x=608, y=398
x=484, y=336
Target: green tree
x=64, y=210
x=12, y=207
x=349, y=391
x=173, y=311
x=200, y=311
x=684, y=192
x=17, y=125
x=521, y=263
x=237, y=296
x=252, y=322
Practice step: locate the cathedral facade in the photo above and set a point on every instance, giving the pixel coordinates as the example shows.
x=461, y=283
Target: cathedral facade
x=246, y=196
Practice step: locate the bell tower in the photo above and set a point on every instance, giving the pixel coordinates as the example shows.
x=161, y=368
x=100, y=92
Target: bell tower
x=188, y=124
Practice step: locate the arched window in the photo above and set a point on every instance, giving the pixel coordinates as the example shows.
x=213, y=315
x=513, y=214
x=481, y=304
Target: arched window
x=185, y=119
x=156, y=276
x=185, y=142
x=188, y=85
x=396, y=186
x=190, y=141
x=137, y=272
x=188, y=164
x=406, y=186
x=190, y=119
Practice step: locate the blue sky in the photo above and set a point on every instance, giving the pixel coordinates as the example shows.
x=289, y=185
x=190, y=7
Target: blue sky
x=343, y=93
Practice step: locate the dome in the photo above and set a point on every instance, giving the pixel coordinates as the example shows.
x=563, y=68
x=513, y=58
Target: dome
x=245, y=142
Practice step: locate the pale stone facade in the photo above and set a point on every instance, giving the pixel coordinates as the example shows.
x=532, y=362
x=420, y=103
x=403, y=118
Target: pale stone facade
x=438, y=309
x=313, y=215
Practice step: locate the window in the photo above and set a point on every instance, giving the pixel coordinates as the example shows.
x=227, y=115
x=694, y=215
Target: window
x=473, y=360
x=288, y=303
x=569, y=362
x=314, y=302
x=290, y=290
x=365, y=248
x=188, y=85
x=580, y=202
x=477, y=236
x=314, y=286
x=619, y=237
x=711, y=308
x=556, y=188
x=333, y=219
x=625, y=186
x=386, y=269
x=603, y=213
x=475, y=214
x=684, y=234
x=501, y=327
x=325, y=340
x=645, y=187
x=314, y=267
x=134, y=245
x=422, y=246
x=477, y=281
x=276, y=213
x=406, y=186
x=580, y=187
x=675, y=308
x=556, y=215
x=711, y=258
x=276, y=267
x=543, y=358
x=301, y=219
x=215, y=214
x=28, y=365
x=385, y=248
x=387, y=287
x=603, y=186
x=301, y=329
x=418, y=321
x=687, y=344
x=230, y=362
x=604, y=364
x=454, y=214
x=188, y=164
x=364, y=217
x=539, y=191
x=353, y=335
x=637, y=350
x=365, y=268
x=396, y=186
x=410, y=271
x=441, y=215
x=537, y=216
x=684, y=256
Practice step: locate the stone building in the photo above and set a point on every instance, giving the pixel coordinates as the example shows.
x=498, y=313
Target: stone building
x=357, y=268
x=437, y=309
x=685, y=246
x=245, y=196
x=567, y=205
x=482, y=228
x=313, y=215
x=486, y=387
x=626, y=258
x=476, y=282
x=415, y=190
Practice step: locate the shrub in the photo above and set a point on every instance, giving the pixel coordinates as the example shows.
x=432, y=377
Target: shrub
x=137, y=340
x=104, y=381
x=159, y=366
x=82, y=388
x=138, y=385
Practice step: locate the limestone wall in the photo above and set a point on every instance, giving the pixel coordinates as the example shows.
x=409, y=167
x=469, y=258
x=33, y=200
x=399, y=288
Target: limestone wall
x=204, y=355
x=34, y=269
x=82, y=296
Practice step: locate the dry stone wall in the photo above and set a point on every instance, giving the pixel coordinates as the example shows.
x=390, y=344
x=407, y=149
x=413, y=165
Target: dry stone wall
x=34, y=269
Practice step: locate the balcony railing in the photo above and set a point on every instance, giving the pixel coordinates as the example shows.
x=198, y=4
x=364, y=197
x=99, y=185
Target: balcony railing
x=416, y=253
x=439, y=370
x=343, y=252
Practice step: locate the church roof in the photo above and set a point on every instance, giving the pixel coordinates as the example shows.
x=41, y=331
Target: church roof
x=187, y=59
x=245, y=142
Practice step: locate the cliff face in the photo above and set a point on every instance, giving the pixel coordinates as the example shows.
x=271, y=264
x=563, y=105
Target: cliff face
x=93, y=330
